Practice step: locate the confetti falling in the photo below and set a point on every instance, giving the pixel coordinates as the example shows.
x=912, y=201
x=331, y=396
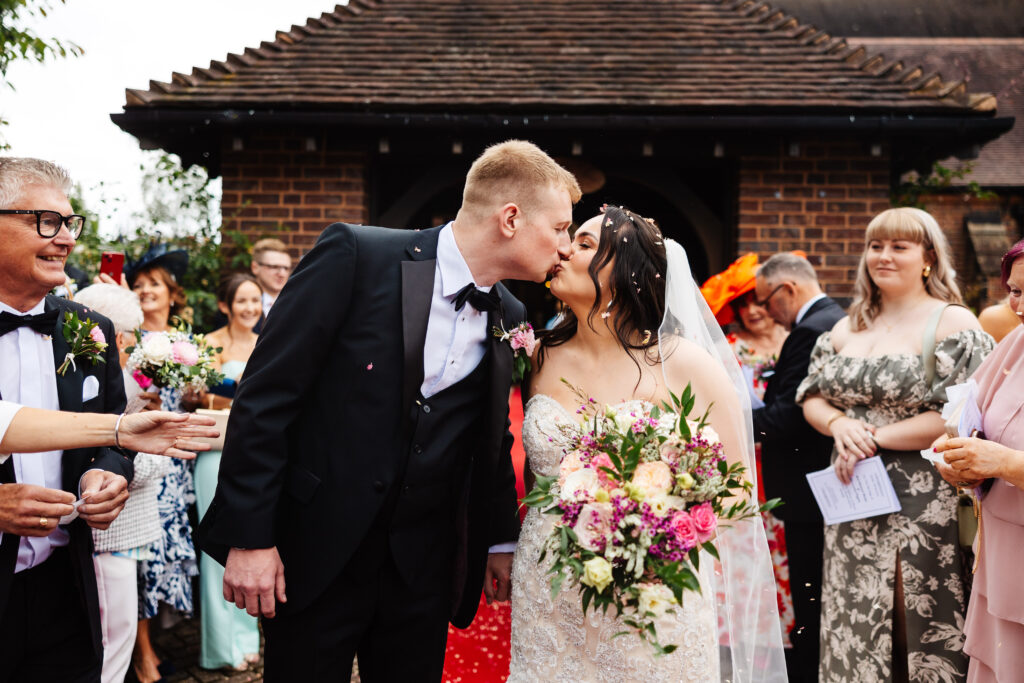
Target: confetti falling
x=370, y=366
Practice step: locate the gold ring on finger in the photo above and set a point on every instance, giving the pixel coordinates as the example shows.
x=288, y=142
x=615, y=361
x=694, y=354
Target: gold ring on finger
x=43, y=522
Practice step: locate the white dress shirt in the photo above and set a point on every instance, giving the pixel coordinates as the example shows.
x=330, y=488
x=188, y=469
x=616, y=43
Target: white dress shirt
x=456, y=340
x=31, y=381
x=806, y=307
x=8, y=409
x=267, y=301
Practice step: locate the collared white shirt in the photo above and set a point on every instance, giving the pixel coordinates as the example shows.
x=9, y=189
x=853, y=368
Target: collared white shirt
x=267, y=302
x=806, y=307
x=456, y=340
x=28, y=376
x=8, y=409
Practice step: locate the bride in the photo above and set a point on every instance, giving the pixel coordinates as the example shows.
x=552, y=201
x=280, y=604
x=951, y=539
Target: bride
x=634, y=328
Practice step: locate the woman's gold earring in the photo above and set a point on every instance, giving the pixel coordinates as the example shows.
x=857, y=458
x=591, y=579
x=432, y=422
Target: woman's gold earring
x=926, y=272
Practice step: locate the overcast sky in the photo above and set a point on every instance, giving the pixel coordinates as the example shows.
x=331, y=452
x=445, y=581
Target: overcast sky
x=61, y=110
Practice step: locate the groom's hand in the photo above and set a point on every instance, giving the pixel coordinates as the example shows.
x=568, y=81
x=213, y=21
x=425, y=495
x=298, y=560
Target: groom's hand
x=498, y=577
x=252, y=580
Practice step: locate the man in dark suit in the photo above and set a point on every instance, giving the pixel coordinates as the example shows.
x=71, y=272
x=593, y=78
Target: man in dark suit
x=788, y=288
x=367, y=458
x=49, y=611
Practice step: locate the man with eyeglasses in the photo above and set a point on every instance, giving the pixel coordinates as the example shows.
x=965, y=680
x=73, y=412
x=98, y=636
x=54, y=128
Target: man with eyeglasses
x=787, y=287
x=48, y=595
x=271, y=264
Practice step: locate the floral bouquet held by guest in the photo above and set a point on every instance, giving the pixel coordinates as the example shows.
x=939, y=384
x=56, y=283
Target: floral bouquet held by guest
x=638, y=497
x=177, y=359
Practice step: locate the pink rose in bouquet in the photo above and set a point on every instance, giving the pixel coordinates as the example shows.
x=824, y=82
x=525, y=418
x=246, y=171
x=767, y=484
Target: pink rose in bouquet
x=684, y=530
x=185, y=353
x=594, y=525
x=96, y=334
x=572, y=462
x=704, y=521
x=602, y=460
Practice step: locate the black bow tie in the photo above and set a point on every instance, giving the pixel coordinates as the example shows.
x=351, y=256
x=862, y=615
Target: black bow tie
x=42, y=323
x=480, y=300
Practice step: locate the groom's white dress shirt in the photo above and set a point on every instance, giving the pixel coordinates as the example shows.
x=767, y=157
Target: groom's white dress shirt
x=30, y=381
x=456, y=340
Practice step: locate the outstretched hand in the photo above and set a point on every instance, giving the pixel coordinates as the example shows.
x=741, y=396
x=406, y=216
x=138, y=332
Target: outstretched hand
x=254, y=580
x=498, y=577
x=165, y=433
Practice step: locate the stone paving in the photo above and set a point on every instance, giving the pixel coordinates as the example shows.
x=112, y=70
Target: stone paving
x=180, y=644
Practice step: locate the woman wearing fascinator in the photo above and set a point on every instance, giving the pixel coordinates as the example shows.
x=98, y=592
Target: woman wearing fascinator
x=635, y=328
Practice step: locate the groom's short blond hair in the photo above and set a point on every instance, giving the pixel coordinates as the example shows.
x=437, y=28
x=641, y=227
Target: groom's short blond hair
x=513, y=171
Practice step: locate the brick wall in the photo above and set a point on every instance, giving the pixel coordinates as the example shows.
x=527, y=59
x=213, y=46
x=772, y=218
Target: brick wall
x=815, y=196
x=950, y=209
x=291, y=186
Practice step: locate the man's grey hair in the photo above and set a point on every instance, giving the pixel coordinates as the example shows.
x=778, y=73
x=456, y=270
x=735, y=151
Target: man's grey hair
x=17, y=172
x=785, y=265
x=119, y=304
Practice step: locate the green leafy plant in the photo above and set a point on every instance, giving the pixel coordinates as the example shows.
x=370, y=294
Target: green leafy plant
x=940, y=179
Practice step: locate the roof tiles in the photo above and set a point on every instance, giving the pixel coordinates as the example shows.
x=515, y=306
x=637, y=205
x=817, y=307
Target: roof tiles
x=559, y=55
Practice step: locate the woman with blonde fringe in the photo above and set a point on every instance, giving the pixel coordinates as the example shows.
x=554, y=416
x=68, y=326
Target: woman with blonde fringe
x=894, y=591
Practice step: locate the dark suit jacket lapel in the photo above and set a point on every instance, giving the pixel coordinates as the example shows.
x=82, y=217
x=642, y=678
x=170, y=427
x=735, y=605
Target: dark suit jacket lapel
x=816, y=306
x=417, y=292
x=501, y=370
x=69, y=385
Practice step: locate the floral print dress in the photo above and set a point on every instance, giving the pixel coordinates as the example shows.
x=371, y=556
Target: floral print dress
x=859, y=570
x=167, y=575
x=762, y=366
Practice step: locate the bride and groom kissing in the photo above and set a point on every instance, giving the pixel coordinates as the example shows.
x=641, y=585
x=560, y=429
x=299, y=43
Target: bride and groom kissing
x=366, y=490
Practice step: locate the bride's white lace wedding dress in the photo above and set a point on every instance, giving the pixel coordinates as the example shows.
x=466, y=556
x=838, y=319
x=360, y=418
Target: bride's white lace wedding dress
x=551, y=639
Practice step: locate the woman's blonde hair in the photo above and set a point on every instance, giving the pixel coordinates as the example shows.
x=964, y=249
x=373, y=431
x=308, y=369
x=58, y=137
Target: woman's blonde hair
x=913, y=225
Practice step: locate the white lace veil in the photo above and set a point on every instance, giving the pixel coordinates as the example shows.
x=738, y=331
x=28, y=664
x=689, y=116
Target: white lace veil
x=750, y=634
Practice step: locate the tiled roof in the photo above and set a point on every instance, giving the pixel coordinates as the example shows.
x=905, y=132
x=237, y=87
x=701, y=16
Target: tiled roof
x=991, y=64
x=560, y=55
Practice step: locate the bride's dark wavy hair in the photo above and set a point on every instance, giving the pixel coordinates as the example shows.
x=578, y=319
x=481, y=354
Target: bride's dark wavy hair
x=635, y=248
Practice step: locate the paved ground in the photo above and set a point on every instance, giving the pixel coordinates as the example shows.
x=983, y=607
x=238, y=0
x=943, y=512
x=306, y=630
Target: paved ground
x=181, y=645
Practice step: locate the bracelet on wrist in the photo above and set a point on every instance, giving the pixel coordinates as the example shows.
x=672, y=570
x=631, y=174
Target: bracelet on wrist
x=838, y=414
x=117, y=426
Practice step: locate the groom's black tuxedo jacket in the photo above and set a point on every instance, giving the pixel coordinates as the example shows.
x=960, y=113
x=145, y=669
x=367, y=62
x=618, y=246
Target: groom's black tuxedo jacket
x=318, y=437
x=790, y=448
x=75, y=462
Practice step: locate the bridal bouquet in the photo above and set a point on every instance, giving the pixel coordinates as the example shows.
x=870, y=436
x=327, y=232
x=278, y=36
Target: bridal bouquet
x=177, y=359
x=638, y=495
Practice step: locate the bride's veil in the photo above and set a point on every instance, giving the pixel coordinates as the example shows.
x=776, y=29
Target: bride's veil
x=750, y=634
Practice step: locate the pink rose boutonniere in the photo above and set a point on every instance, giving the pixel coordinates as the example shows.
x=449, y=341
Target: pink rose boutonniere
x=85, y=338
x=523, y=343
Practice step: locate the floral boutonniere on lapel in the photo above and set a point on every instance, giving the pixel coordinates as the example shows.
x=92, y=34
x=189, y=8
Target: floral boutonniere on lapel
x=85, y=339
x=523, y=342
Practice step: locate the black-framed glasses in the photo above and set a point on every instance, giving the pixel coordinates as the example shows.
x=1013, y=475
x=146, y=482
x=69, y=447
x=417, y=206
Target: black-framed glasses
x=764, y=302
x=48, y=222
x=279, y=269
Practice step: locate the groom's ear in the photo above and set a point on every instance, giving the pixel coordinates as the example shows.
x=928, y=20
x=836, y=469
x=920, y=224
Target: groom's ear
x=510, y=220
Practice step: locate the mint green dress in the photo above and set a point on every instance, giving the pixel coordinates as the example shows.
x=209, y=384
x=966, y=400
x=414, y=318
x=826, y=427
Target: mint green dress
x=228, y=633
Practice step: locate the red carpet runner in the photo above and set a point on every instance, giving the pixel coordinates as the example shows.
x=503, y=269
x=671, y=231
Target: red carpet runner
x=480, y=652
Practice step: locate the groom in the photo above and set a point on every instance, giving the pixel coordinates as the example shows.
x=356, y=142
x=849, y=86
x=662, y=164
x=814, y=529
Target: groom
x=367, y=460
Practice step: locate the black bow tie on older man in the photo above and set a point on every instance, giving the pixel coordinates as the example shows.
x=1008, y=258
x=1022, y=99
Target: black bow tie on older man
x=42, y=323
x=480, y=300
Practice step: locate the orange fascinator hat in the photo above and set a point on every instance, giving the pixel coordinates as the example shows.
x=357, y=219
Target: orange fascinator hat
x=729, y=285
x=732, y=283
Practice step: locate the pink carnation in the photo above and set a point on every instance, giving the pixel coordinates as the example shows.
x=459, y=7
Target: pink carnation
x=602, y=460
x=523, y=339
x=97, y=335
x=185, y=352
x=684, y=530
x=142, y=380
x=704, y=521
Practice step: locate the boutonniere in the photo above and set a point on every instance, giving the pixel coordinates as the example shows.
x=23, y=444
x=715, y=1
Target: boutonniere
x=85, y=339
x=522, y=341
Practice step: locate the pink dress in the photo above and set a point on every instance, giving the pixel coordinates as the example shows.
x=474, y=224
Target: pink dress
x=995, y=617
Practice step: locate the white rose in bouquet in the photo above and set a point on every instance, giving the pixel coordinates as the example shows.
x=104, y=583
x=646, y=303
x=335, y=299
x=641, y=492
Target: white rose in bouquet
x=656, y=598
x=156, y=348
x=585, y=481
